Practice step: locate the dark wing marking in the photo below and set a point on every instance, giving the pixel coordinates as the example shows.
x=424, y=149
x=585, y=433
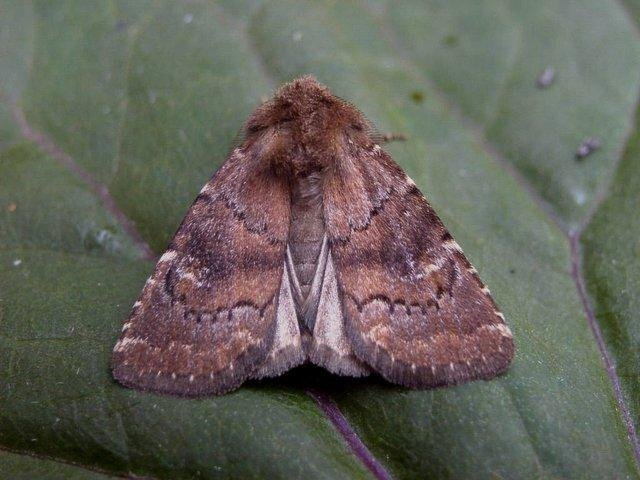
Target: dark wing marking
x=416, y=310
x=206, y=319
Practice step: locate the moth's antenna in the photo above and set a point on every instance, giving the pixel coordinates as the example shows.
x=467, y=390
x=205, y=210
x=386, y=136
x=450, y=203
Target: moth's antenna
x=237, y=139
x=390, y=137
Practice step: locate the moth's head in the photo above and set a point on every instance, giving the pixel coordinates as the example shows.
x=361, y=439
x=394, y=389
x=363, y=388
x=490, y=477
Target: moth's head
x=304, y=126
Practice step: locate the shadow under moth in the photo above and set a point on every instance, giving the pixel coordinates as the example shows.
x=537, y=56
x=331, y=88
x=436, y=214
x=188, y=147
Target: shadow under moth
x=310, y=244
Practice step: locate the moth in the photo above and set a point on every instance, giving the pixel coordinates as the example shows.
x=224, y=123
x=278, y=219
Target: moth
x=310, y=244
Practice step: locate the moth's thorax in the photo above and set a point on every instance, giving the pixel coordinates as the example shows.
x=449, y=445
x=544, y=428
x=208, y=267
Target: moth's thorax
x=304, y=127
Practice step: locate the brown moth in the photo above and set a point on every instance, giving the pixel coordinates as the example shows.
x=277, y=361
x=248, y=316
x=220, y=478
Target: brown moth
x=310, y=244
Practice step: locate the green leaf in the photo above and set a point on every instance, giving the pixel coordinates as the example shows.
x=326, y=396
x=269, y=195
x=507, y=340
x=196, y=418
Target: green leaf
x=612, y=267
x=130, y=106
x=19, y=467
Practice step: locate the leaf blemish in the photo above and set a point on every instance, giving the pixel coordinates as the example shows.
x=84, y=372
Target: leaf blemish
x=417, y=96
x=450, y=40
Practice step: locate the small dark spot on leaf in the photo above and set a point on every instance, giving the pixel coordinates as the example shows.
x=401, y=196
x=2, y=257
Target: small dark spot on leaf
x=450, y=40
x=512, y=271
x=417, y=96
x=587, y=147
